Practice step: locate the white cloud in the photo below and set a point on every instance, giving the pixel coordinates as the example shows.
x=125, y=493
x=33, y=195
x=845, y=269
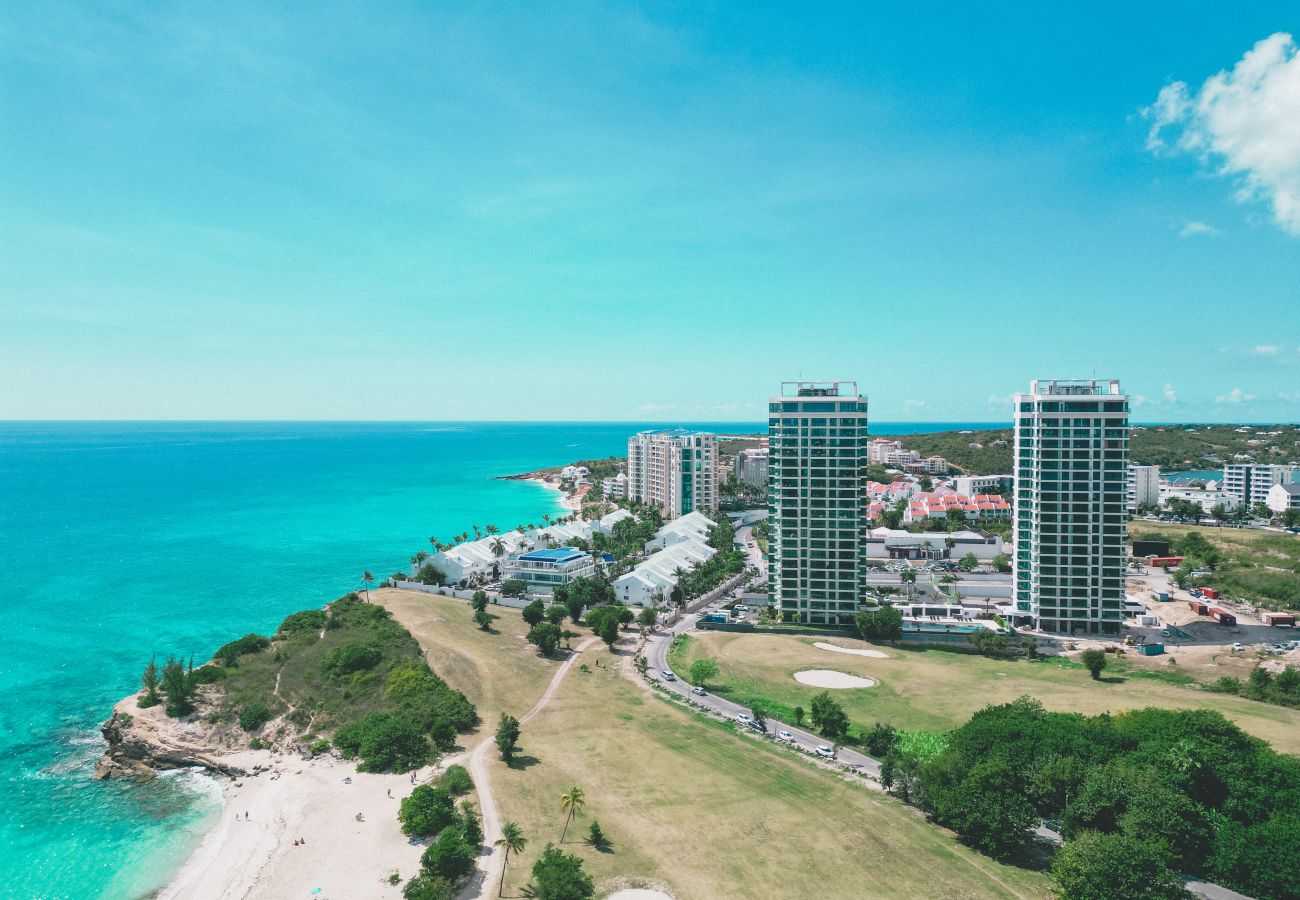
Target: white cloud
x=1234, y=396
x=1171, y=396
x=1143, y=400
x=1003, y=402
x=1191, y=229
x=1266, y=350
x=1244, y=124
x=913, y=404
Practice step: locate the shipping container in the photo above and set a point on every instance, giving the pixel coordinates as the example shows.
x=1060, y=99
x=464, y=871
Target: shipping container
x=1151, y=649
x=1201, y=609
x=1210, y=593
x=1276, y=618
x=1161, y=596
x=1222, y=616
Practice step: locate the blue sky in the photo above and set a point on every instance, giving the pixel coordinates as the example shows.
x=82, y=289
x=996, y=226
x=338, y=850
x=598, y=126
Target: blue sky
x=623, y=212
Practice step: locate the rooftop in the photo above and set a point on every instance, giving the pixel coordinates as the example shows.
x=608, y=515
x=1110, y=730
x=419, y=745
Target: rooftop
x=556, y=555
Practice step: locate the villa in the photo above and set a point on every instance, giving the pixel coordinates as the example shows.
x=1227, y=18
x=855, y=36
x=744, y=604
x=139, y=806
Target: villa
x=545, y=570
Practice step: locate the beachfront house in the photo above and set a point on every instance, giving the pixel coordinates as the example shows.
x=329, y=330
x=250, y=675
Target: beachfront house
x=692, y=526
x=545, y=570
x=476, y=560
x=652, y=581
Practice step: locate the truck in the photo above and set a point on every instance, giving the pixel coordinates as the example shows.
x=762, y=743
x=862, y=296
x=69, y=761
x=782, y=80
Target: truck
x=713, y=619
x=1222, y=616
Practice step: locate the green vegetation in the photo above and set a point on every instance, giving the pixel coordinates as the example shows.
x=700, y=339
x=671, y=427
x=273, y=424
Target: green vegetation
x=559, y=876
x=883, y=624
x=512, y=840
x=546, y=637
x=450, y=857
x=1100, y=866
x=254, y=715
x=350, y=659
x=386, y=742
x=534, y=612
x=426, y=810
x=829, y=717
x=456, y=781
x=702, y=670
x=571, y=803
x=178, y=687
x=507, y=738
x=149, y=681
x=628, y=536
x=584, y=593
x=1094, y=661
x=605, y=621
x=513, y=587
x=1190, y=787
x=249, y=643
x=1258, y=567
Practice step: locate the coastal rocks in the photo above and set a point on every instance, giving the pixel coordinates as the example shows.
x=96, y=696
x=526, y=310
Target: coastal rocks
x=144, y=742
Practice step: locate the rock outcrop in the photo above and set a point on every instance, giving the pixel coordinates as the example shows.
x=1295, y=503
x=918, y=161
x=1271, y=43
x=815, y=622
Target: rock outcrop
x=144, y=742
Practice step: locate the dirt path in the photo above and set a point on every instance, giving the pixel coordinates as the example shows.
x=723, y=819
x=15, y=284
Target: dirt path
x=490, y=871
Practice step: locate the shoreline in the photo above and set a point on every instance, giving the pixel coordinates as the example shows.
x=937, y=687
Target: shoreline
x=249, y=851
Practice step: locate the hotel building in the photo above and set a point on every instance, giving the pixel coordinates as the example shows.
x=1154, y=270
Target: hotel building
x=673, y=469
x=817, y=473
x=1070, y=512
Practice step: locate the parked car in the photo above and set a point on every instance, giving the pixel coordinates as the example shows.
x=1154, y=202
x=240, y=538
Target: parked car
x=697, y=691
x=785, y=736
x=669, y=676
x=743, y=718
x=824, y=751
x=757, y=726
x=1237, y=646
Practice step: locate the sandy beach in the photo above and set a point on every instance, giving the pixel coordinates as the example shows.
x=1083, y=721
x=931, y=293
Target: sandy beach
x=570, y=502
x=250, y=851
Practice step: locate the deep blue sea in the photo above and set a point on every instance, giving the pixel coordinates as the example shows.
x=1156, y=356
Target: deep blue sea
x=119, y=541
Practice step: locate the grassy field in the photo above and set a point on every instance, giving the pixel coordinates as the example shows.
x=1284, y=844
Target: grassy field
x=937, y=690
x=688, y=801
x=498, y=670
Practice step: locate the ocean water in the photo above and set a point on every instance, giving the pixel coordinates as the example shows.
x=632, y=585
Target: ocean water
x=119, y=541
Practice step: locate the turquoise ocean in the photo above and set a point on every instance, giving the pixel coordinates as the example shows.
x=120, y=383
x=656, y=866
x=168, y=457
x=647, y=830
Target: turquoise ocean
x=119, y=541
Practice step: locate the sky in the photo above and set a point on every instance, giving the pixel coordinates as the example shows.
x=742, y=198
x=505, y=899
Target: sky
x=639, y=212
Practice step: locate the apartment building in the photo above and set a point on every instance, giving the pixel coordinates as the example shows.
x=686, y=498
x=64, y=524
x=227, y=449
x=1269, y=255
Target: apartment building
x=1251, y=482
x=1143, y=487
x=674, y=470
x=1070, y=510
x=818, y=458
x=751, y=466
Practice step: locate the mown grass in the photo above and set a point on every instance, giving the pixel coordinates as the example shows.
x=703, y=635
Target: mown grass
x=937, y=690
x=687, y=800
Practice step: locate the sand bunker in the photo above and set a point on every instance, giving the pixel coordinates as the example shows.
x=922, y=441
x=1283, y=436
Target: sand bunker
x=827, y=678
x=874, y=654
x=639, y=894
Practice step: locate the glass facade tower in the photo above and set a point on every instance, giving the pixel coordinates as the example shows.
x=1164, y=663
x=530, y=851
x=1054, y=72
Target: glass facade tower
x=817, y=471
x=1070, y=517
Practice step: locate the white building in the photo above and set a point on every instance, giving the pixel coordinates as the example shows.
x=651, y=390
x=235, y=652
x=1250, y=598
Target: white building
x=750, y=466
x=545, y=570
x=651, y=583
x=690, y=527
x=1250, y=482
x=1206, y=497
x=1143, y=486
x=892, y=543
x=1282, y=497
x=970, y=485
x=581, y=530
x=615, y=488
x=817, y=434
x=481, y=559
x=674, y=470
x=1070, y=517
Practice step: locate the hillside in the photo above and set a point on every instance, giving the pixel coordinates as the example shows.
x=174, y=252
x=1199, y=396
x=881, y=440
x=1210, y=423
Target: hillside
x=1175, y=447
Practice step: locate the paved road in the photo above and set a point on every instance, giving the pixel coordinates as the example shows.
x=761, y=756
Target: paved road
x=657, y=660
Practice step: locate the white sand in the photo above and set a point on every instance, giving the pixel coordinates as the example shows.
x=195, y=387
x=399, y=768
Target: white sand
x=828, y=678
x=874, y=654
x=343, y=857
x=639, y=894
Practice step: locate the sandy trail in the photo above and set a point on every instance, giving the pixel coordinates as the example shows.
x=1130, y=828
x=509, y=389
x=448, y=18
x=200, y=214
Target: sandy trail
x=478, y=767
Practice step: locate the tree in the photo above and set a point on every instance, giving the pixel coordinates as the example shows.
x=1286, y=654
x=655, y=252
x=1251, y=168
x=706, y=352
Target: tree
x=702, y=670
x=497, y=546
x=648, y=617
x=969, y=562
x=367, y=579
x=596, y=838
x=479, y=600
x=450, y=856
x=149, y=680
x=604, y=621
x=1097, y=866
x=1002, y=563
x=556, y=615
x=571, y=803
x=575, y=604
x=882, y=624
x=559, y=876
x=386, y=742
x=1258, y=686
x=798, y=715
x=512, y=840
x=513, y=587
x=507, y=737
x=545, y=636
x=177, y=687
x=469, y=824
x=1095, y=660
x=760, y=719
x=908, y=577
x=426, y=810
x=483, y=619
x=428, y=887
x=828, y=716
x=534, y=612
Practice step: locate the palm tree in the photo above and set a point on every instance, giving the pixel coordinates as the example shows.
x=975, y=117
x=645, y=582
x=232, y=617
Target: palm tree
x=512, y=838
x=478, y=532
x=433, y=542
x=368, y=580
x=491, y=529
x=498, y=546
x=908, y=577
x=571, y=803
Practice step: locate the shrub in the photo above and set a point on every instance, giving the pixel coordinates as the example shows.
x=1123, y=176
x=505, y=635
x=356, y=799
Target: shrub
x=534, y=612
x=299, y=718
x=254, y=715
x=880, y=740
x=545, y=636
x=321, y=746
x=513, y=587
x=207, y=675
x=350, y=658
x=456, y=781
x=386, y=742
x=249, y=643
x=307, y=621
x=559, y=876
x=426, y=810
x=450, y=856
x=470, y=828
x=428, y=887
x=1095, y=661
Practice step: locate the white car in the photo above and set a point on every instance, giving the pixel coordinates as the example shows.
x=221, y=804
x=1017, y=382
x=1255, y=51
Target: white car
x=825, y=751
x=1237, y=647
x=743, y=718
x=697, y=691
x=785, y=736
x=669, y=676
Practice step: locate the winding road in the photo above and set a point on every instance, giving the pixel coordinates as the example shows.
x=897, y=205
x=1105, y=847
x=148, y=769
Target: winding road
x=491, y=863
